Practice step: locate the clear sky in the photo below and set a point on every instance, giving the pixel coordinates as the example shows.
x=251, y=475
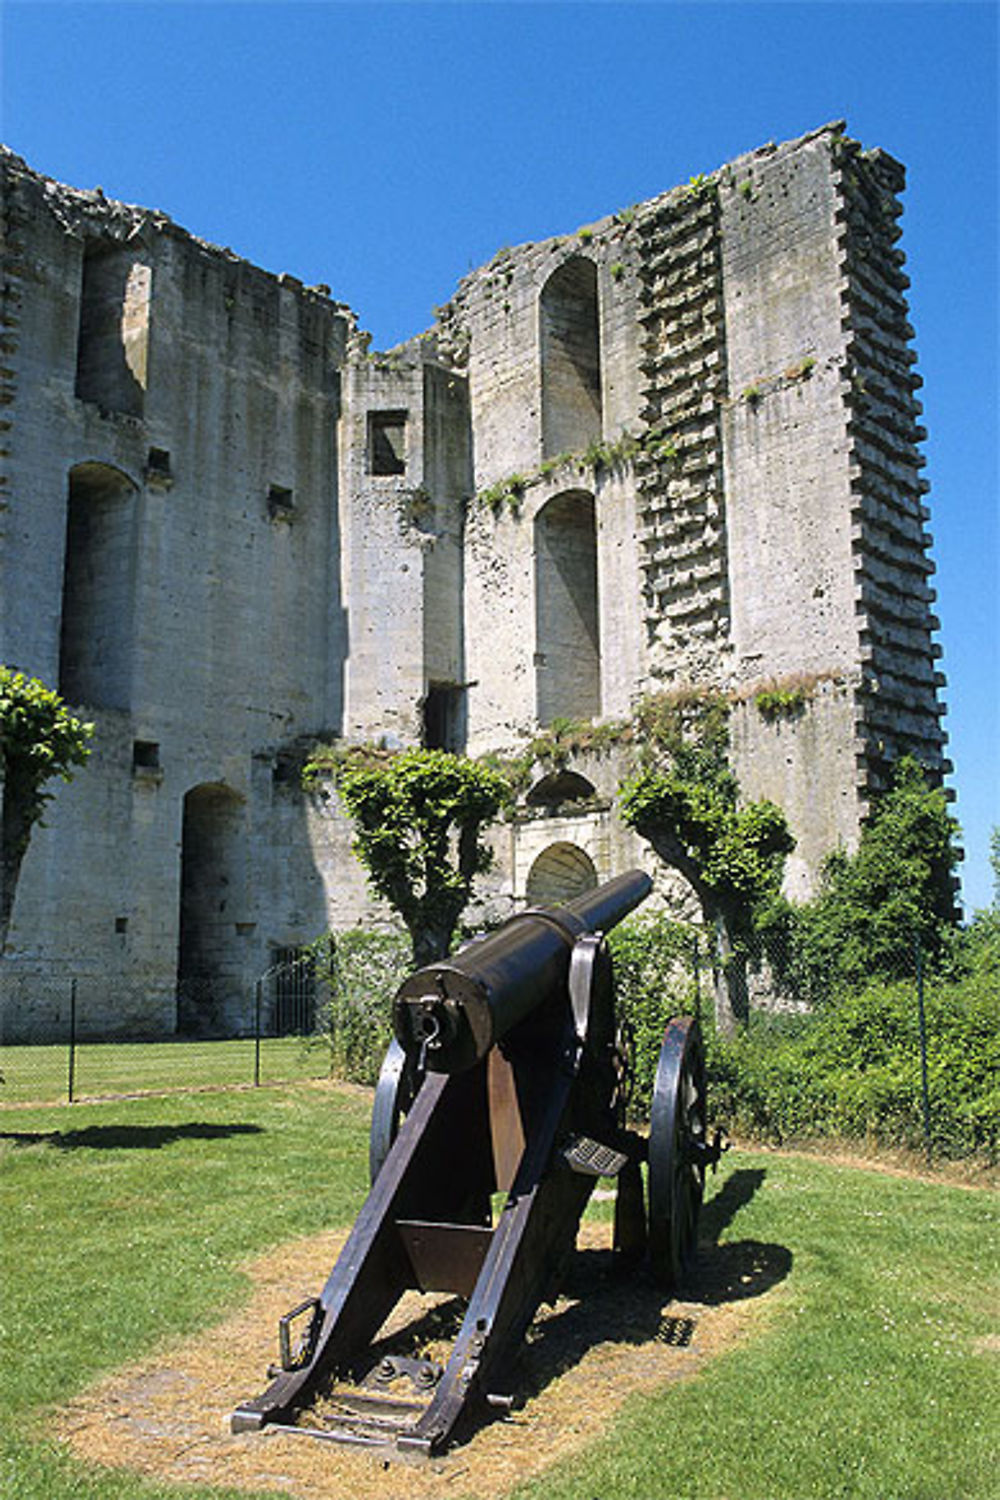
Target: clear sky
x=389, y=148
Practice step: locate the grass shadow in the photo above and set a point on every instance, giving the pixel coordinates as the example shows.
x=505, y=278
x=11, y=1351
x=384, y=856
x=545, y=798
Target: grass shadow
x=126, y=1137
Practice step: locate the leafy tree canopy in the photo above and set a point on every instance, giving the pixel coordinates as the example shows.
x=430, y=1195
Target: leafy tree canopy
x=418, y=819
x=689, y=810
x=39, y=740
x=897, y=888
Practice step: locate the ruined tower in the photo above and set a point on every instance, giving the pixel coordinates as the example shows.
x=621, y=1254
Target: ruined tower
x=675, y=448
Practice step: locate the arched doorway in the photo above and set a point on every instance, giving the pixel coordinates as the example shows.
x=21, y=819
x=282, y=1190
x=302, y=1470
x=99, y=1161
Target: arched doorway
x=560, y=872
x=570, y=347
x=567, y=645
x=95, y=646
x=212, y=904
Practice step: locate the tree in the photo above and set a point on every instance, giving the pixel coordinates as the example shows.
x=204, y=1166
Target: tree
x=418, y=818
x=731, y=855
x=896, y=889
x=39, y=740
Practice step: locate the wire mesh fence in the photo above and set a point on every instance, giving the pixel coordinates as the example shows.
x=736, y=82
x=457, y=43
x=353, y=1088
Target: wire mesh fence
x=80, y=1037
x=899, y=1051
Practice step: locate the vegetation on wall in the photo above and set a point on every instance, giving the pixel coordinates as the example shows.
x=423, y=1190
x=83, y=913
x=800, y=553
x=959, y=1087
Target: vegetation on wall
x=685, y=802
x=418, y=819
x=507, y=494
x=40, y=740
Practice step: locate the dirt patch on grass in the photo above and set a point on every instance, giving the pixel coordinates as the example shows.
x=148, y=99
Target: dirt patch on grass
x=606, y=1338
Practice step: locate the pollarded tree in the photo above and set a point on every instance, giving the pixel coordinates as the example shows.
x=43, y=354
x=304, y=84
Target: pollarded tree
x=418, y=820
x=39, y=740
x=687, y=806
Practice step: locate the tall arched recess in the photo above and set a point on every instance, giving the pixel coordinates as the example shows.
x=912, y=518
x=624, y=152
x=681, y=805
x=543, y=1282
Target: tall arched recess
x=570, y=344
x=212, y=906
x=95, y=647
x=567, y=643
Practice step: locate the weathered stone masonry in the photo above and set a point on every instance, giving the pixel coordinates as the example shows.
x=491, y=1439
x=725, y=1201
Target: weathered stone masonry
x=676, y=448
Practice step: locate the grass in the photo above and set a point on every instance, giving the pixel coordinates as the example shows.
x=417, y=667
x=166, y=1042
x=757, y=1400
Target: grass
x=124, y=1225
x=34, y=1074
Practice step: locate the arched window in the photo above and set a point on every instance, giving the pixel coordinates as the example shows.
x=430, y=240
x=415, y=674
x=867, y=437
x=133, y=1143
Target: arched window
x=95, y=647
x=570, y=344
x=213, y=880
x=113, y=346
x=560, y=872
x=567, y=645
x=559, y=787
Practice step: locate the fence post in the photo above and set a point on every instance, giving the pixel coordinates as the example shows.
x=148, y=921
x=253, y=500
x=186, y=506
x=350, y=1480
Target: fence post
x=256, y=1034
x=925, y=1093
x=696, y=967
x=72, y=1041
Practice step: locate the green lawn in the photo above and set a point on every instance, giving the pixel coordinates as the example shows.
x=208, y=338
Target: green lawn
x=124, y=1222
x=101, y=1069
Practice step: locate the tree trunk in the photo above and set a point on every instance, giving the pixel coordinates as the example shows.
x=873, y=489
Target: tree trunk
x=729, y=981
x=729, y=973
x=430, y=944
x=15, y=828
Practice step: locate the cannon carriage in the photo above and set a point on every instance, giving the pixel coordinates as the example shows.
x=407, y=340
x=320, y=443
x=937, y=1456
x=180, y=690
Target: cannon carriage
x=501, y=1102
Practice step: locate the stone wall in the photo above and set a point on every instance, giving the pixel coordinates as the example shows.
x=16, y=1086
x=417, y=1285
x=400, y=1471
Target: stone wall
x=676, y=449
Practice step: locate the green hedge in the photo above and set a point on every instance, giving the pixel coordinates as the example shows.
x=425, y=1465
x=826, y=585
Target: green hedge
x=850, y=1069
x=361, y=971
x=853, y=1070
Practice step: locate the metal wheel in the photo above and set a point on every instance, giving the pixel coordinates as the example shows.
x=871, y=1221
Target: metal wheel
x=676, y=1150
x=398, y=1083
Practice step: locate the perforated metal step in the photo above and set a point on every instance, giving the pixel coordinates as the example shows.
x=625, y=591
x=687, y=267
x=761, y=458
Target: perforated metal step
x=593, y=1159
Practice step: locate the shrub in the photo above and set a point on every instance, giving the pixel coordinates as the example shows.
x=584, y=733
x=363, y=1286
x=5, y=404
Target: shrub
x=361, y=971
x=655, y=966
x=852, y=1070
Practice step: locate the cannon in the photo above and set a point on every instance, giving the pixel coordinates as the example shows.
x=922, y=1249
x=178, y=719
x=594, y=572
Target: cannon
x=501, y=1102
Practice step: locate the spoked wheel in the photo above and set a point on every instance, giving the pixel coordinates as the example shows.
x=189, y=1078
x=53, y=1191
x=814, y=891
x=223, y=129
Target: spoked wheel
x=398, y=1083
x=676, y=1150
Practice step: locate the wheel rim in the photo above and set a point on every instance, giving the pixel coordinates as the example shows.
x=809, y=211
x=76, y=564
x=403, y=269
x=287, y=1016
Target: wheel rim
x=396, y=1090
x=676, y=1135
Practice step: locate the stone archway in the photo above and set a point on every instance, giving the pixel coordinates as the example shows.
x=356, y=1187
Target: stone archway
x=567, y=639
x=560, y=872
x=570, y=347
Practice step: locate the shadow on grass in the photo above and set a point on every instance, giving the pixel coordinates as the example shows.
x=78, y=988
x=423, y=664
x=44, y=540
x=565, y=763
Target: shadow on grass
x=125, y=1137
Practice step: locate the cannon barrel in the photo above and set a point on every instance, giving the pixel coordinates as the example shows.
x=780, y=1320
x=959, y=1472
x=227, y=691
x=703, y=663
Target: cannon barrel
x=451, y=1013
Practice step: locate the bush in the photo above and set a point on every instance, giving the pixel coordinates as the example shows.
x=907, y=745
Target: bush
x=655, y=964
x=852, y=1070
x=362, y=971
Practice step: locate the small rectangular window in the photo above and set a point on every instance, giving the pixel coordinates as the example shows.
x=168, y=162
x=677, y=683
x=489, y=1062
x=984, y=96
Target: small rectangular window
x=158, y=470
x=387, y=442
x=280, y=503
x=145, y=755
x=444, y=717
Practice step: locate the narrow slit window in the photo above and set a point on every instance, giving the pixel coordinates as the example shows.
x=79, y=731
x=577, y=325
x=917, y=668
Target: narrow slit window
x=387, y=442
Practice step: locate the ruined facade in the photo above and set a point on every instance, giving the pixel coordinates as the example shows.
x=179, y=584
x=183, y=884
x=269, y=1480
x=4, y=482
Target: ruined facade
x=676, y=447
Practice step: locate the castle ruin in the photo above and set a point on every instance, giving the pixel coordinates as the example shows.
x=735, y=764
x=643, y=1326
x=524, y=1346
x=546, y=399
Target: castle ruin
x=677, y=447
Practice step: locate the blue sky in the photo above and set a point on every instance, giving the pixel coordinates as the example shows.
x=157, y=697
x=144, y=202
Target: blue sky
x=389, y=148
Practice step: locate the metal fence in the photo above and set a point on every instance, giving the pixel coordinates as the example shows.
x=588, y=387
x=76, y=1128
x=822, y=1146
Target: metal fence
x=302, y=1021
x=100, y=1039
